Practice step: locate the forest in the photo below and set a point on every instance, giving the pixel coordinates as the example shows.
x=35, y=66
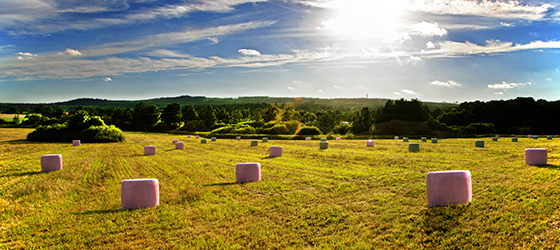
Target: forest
x=522, y=115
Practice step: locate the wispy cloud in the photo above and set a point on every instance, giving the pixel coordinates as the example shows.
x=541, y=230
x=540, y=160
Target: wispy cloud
x=51, y=16
x=426, y=29
x=71, y=52
x=167, y=53
x=408, y=91
x=455, y=49
x=446, y=84
x=249, y=52
x=497, y=9
x=505, y=85
x=107, y=79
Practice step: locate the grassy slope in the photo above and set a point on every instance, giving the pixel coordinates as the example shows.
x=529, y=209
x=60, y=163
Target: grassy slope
x=348, y=196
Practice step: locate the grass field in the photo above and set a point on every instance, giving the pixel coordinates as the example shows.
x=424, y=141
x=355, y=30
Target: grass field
x=346, y=197
x=10, y=117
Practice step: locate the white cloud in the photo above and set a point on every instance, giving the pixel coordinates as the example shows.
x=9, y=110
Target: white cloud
x=446, y=84
x=213, y=40
x=290, y=88
x=167, y=53
x=505, y=86
x=398, y=93
x=46, y=16
x=249, y=52
x=430, y=45
x=497, y=9
x=499, y=93
x=455, y=49
x=320, y=90
x=507, y=24
x=408, y=91
x=71, y=52
x=107, y=79
x=413, y=60
x=26, y=56
x=338, y=87
x=428, y=29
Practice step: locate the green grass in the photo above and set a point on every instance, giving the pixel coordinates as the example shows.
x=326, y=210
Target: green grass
x=346, y=197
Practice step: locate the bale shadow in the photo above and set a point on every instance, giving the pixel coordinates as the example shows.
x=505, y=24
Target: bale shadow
x=437, y=222
x=221, y=184
x=28, y=173
x=549, y=166
x=270, y=157
x=108, y=211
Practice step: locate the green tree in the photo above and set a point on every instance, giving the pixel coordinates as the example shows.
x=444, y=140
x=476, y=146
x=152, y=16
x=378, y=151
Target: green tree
x=362, y=121
x=208, y=115
x=189, y=113
x=325, y=121
x=287, y=114
x=271, y=113
x=171, y=113
x=223, y=116
x=145, y=116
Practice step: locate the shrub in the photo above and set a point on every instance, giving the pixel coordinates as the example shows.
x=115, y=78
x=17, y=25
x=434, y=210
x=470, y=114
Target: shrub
x=292, y=126
x=279, y=129
x=91, y=129
x=342, y=129
x=309, y=130
x=482, y=128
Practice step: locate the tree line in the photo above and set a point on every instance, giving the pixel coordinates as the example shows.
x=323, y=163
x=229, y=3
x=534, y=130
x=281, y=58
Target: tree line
x=404, y=117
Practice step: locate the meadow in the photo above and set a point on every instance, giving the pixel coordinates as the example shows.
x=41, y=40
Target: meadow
x=348, y=196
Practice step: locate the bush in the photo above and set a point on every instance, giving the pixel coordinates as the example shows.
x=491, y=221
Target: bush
x=309, y=130
x=279, y=129
x=342, y=129
x=94, y=130
x=482, y=128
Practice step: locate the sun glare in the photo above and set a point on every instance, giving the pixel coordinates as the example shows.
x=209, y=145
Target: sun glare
x=365, y=19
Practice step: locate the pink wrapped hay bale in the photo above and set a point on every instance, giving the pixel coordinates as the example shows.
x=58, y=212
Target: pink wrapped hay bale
x=275, y=151
x=76, y=143
x=51, y=163
x=149, y=150
x=180, y=145
x=369, y=143
x=139, y=193
x=396, y=137
x=449, y=188
x=536, y=156
x=338, y=138
x=188, y=136
x=197, y=137
x=247, y=172
x=497, y=136
x=530, y=136
x=175, y=141
x=308, y=138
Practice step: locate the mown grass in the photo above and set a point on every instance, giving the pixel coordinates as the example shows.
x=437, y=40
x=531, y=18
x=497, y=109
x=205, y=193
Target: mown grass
x=346, y=197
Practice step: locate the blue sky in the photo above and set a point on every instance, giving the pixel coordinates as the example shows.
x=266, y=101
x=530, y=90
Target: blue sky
x=433, y=50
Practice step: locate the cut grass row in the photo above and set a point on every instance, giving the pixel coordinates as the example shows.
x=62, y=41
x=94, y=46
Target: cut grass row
x=348, y=196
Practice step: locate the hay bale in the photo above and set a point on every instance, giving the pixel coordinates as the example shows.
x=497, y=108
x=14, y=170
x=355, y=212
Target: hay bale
x=188, y=136
x=275, y=151
x=479, y=143
x=197, y=137
x=548, y=137
x=213, y=138
x=446, y=188
x=149, y=150
x=247, y=172
x=536, y=156
x=238, y=138
x=323, y=145
x=51, y=162
x=139, y=193
x=174, y=141
x=414, y=147
x=514, y=139
x=424, y=139
x=308, y=138
x=265, y=139
x=434, y=140
x=405, y=139
x=396, y=137
x=254, y=143
x=494, y=138
x=76, y=143
x=203, y=141
x=323, y=139
x=179, y=145
x=338, y=138
x=530, y=136
x=369, y=143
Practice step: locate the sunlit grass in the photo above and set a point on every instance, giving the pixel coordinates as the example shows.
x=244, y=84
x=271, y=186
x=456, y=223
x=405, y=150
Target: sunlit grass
x=348, y=196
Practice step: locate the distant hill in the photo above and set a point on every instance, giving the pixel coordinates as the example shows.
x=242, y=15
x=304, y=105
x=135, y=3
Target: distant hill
x=305, y=103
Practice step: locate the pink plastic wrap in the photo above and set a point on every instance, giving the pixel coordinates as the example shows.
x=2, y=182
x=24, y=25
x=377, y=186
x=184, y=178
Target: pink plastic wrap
x=248, y=172
x=179, y=145
x=275, y=151
x=449, y=188
x=51, y=163
x=149, y=150
x=369, y=143
x=76, y=143
x=536, y=156
x=139, y=193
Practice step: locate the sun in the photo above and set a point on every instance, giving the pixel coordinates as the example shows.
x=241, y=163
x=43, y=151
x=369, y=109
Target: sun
x=364, y=19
